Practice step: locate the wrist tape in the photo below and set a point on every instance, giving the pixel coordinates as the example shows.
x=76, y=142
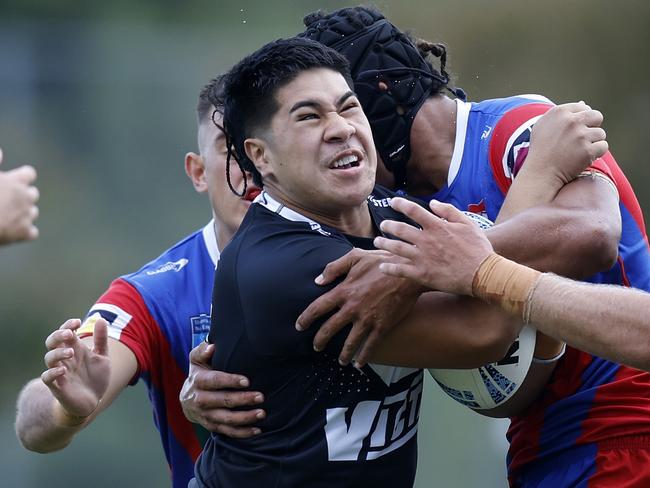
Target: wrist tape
x=503, y=282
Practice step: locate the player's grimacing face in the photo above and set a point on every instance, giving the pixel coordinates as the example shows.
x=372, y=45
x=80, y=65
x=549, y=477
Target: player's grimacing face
x=228, y=208
x=320, y=149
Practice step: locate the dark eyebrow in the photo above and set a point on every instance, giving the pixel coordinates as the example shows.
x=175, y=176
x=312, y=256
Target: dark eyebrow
x=344, y=97
x=315, y=104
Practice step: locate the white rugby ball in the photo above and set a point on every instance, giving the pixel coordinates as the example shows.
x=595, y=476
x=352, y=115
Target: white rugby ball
x=491, y=385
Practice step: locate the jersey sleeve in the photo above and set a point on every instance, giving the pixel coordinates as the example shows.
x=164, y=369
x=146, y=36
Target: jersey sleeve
x=510, y=142
x=280, y=286
x=129, y=321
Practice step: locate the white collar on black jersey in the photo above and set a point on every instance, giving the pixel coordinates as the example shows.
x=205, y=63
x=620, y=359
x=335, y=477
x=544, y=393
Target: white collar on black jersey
x=273, y=205
x=210, y=239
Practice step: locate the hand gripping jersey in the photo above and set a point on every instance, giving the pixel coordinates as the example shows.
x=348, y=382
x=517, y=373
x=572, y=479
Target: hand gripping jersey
x=160, y=312
x=327, y=425
x=589, y=401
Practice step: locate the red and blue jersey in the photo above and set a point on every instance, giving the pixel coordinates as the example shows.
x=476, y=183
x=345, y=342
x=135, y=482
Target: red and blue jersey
x=589, y=400
x=161, y=312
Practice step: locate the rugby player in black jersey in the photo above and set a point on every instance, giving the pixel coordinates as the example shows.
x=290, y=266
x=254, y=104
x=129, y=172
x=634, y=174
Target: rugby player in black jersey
x=295, y=124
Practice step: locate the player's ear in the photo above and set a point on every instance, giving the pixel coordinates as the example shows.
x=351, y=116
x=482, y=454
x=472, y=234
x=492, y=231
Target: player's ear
x=195, y=170
x=258, y=152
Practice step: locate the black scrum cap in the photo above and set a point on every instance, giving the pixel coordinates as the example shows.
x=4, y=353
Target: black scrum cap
x=391, y=78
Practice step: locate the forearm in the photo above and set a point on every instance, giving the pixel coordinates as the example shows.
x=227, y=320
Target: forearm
x=36, y=426
x=531, y=188
x=448, y=331
x=544, y=239
x=576, y=235
x=605, y=320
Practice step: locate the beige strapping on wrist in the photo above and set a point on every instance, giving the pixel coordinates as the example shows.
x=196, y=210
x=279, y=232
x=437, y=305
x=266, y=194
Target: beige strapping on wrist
x=506, y=283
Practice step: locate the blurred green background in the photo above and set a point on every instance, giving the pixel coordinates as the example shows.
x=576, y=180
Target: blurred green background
x=100, y=97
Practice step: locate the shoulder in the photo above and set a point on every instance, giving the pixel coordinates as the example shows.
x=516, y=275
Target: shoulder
x=192, y=258
x=269, y=247
x=509, y=135
x=502, y=106
x=379, y=205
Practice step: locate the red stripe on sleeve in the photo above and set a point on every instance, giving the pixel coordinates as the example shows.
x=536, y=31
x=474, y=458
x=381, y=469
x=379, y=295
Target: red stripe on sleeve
x=138, y=334
x=505, y=128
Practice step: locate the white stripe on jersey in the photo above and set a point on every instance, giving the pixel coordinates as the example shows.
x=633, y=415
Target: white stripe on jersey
x=511, y=140
x=462, y=117
x=539, y=98
x=115, y=326
x=210, y=239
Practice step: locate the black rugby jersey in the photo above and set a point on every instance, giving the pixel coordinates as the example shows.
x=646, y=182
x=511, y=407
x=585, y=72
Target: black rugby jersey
x=326, y=425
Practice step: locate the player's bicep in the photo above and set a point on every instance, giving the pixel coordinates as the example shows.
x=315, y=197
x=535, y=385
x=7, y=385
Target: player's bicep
x=129, y=321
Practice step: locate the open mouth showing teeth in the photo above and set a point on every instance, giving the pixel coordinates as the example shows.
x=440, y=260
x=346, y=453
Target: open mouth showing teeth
x=346, y=162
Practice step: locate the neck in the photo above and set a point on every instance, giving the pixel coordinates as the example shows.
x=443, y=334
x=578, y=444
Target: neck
x=433, y=135
x=223, y=234
x=354, y=220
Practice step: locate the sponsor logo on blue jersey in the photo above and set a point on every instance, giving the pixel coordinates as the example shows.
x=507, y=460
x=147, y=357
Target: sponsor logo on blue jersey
x=169, y=266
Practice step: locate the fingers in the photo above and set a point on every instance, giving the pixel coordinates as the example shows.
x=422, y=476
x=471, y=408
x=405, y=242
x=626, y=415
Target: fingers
x=33, y=194
x=353, y=342
x=100, y=337
x=396, y=247
x=55, y=356
x=591, y=118
x=337, y=268
x=70, y=324
x=367, y=348
x=218, y=380
x=412, y=210
x=62, y=335
x=401, y=230
x=233, y=432
x=598, y=149
x=50, y=375
x=319, y=307
x=400, y=270
x=330, y=328
x=25, y=174
x=448, y=212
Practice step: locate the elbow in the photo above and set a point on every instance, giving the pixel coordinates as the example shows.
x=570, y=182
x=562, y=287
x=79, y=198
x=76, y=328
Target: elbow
x=590, y=246
x=32, y=443
x=495, y=343
x=602, y=241
x=25, y=439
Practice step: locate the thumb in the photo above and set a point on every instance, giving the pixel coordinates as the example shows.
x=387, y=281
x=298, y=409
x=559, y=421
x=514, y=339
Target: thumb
x=0, y=155
x=340, y=267
x=202, y=354
x=447, y=211
x=100, y=337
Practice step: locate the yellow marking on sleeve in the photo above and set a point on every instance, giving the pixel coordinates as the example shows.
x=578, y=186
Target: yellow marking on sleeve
x=88, y=327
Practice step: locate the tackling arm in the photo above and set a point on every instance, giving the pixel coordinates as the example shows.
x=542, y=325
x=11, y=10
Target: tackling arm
x=605, y=320
x=448, y=331
x=550, y=220
x=452, y=254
